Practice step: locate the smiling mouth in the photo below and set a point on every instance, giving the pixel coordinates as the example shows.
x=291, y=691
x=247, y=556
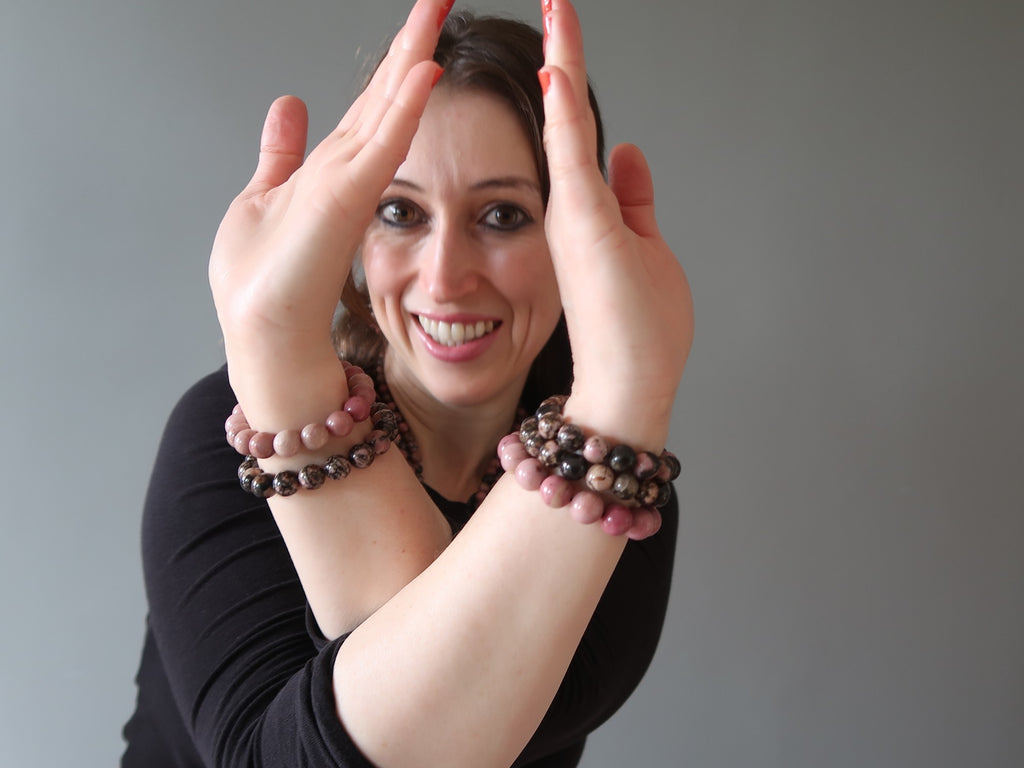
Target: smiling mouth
x=453, y=334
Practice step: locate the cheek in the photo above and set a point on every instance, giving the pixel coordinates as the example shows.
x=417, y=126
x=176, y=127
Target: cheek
x=384, y=273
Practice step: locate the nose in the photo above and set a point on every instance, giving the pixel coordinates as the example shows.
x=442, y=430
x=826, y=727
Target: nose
x=448, y=270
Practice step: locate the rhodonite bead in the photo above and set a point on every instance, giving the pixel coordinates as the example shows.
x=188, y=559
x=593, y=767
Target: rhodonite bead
x=617, y=520
x=599, y=478
x=548, y=425
x=246, y=477
x=361, y=455
x=511, y=452
x=648, y=493
x=647, y=465
x=261, y=445
x=551, y=404
x=337, y=467
x=357, y=408
x=528, y=428
x=286, y=483
x=625, y=486
x=548, y=454
x=262, y=485
x=378, y=440
x=622, y=458
x=572, y=466
x=339, y=423
x=242, y=438
x=533, y=445
x=595, y=449
x=312, y=477
x=670, y=465
x=287, y=442
x=556, y=491
x=248, y=463
x=664, y=493
x=530, y=474
x=646, y=523
x=315, y=436
x=570, y=437
x=587, y=507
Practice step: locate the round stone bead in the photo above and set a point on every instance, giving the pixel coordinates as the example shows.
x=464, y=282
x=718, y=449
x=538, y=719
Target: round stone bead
x=286, y=483
x=337, y=467
x=570, y=437
x=617, y=520
x=670, y=465
x=263, y=485
x=556, y=491
x=648, y=493
x=587, y=507
x=625, y=486
x=511, y=453
x=357, y=408
x=339, y=423
x=361, y=455
x=261, y=445
x=287, y=443
x=549, y=454
x=622, y=458
x=551, y=404
x=664, y=493
x=315, y=436
x=572, y=466
x=599, y=478
x=647, y=465
x=595, y=449
x=548, y=425
x=246, y=478
x=249, y=463
x=530, y=474
x=533, y=445
x=528, y=428
x=312, y=476
x=646, y=523
x=378, y=441
x=242, y=439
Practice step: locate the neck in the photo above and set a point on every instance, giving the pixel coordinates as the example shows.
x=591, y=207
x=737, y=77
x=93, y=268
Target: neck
x=456, y=442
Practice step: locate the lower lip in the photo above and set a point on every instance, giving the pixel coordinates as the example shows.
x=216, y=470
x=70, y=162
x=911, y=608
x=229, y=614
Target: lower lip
x=461, y=353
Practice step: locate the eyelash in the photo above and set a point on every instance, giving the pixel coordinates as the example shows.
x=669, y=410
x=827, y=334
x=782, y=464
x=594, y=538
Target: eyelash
x=522, y=218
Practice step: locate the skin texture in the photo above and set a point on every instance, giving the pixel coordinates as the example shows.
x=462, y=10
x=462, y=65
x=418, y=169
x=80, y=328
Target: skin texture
x=458, y=638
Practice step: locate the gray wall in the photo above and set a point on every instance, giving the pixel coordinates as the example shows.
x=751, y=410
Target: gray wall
x=843, y=181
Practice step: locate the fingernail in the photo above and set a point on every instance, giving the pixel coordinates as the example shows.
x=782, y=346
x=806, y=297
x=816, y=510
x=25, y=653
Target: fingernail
x=437, y=76
x=547, y=6
x=547, y=26
x=545, y=81
x=445, y=10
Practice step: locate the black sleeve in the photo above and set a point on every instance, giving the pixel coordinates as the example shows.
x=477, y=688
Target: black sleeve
x=618, y=644
x=227, y=611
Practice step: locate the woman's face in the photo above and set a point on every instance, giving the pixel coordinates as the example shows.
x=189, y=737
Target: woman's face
x=456, y=262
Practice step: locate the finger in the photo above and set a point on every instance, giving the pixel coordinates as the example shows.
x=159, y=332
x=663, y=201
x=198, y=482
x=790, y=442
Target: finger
x=282, y=144
x=415, y=42
x=630, y=180
x=563, y=45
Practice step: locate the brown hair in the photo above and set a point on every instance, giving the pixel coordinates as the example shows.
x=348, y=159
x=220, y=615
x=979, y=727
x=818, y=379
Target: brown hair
x=499, y=56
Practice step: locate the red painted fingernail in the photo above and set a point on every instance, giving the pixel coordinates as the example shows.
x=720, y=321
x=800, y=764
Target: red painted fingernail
x=547, y=26
x=437, y=76
x=445, y=10
x=547, y=6
x=545, y=81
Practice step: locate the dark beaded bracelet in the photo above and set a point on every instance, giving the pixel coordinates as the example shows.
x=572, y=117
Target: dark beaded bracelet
x=254, y=480
x=562, y=448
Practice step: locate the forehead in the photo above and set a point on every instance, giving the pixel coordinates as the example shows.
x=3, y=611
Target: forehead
x=465, y=136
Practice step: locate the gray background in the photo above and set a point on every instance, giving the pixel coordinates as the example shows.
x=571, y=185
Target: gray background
x=843, y=181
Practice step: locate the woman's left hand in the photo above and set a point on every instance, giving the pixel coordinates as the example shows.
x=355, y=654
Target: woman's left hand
x=626, y=298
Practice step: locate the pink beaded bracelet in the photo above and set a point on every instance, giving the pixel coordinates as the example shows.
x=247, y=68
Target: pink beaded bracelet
x=250, y=442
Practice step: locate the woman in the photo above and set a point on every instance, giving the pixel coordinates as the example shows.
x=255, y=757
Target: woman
x=503, y=645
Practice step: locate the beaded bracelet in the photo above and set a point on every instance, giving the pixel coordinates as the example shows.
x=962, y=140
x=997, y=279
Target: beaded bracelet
x=263, y=485
x=549, y=454
x=313, y=437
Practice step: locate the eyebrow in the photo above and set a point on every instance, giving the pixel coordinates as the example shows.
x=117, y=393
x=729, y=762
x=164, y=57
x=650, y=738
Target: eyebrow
x=498, y=182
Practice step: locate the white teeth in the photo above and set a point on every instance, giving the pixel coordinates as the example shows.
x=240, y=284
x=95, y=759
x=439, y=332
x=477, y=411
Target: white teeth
x=454, y=334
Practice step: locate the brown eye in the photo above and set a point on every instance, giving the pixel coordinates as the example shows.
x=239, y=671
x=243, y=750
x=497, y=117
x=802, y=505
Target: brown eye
x=506, y=217
x=398, y=213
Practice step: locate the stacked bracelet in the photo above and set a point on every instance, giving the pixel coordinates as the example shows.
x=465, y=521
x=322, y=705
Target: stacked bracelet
x=312, y=437
x=262, y=484
x=550, y=454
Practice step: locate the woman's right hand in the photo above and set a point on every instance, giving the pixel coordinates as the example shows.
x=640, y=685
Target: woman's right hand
x=285, y=247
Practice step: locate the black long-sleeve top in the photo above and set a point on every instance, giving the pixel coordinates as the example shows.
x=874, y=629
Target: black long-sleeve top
x=234, y=671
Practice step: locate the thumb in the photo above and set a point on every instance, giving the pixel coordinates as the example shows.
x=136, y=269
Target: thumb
x=282, y=145
x=630, y=180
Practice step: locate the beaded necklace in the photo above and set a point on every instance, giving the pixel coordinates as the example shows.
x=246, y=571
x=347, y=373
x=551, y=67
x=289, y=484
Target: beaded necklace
x=410, y=449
